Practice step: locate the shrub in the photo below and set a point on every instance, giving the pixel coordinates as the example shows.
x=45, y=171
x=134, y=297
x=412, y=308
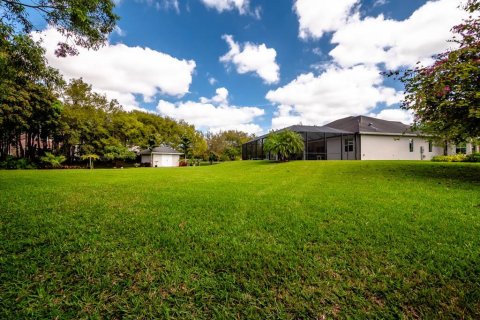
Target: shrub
x=120, y=154
x=452, y=158
x=194, y=162
x=52, y=160
x=474, y=157
x=71, y=167
x=212, y=157
x=12, y=163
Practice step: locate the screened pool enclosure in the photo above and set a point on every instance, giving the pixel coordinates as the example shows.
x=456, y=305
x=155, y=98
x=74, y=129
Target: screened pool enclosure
x=320, y=143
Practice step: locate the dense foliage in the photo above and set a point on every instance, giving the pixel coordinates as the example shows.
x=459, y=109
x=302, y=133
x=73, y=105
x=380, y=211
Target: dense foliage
x=86, y=23
x=29, y=108
x=445, y=97
x=42, y=116
x=284, y=143
x=76, y=122
x=226, y=145
x=473, y=157
x=88, y=123
x=53, y=160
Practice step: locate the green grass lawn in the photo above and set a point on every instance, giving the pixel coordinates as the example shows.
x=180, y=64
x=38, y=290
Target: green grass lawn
x=242, y=240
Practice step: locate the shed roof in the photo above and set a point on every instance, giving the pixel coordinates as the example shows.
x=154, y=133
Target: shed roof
x=160, y=150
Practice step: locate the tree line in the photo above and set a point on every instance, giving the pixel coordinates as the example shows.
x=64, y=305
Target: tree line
x=73, y=121
x=40, y=113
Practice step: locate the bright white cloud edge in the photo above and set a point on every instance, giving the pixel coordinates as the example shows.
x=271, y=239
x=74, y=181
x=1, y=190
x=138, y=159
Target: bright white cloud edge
x=242, y=6
x=250, y=57
x=213, y=114
x=351, y=84
x=122, y=72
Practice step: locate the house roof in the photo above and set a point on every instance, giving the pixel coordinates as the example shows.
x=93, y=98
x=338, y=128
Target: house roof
x=302, y=128
x=326, y=129
x=161, y=150
x=364, y=124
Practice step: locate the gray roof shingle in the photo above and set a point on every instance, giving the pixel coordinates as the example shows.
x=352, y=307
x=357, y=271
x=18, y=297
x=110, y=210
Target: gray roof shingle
x=302, y=128
x=369, y=124
x=161, y=149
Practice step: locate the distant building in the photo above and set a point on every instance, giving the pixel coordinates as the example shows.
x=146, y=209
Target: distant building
x=162, y=156
x=357, y=138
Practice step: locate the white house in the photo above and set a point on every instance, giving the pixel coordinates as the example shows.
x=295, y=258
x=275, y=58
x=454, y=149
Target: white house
x=359, y=138
x=388, y=140
x=162, y=156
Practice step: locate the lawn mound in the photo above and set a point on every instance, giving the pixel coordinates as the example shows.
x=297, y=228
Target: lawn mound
x=247, y=239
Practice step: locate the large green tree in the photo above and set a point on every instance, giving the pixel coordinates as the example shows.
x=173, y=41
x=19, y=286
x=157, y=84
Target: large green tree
x=284, y=143
x=29, y=108
x=227, y=145
x=84, y=23
x=92, y=124
x=445, y=96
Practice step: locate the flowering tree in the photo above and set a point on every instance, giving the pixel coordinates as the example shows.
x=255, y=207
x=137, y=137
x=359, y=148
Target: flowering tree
x=445, y=97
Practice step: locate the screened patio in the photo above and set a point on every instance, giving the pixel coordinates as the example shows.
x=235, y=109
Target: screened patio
x=321, y=143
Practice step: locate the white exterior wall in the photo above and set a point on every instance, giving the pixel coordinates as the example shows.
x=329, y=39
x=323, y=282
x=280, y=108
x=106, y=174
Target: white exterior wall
x=146, y=158
x=161, y=160
x=470, y=148
x=175, y=160
x=474, y=148
x=165, y=160
x=336, y=149
x=376, y=147
x=452, y=149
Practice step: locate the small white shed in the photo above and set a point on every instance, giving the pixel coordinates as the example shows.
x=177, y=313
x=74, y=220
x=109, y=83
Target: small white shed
x=162, y=156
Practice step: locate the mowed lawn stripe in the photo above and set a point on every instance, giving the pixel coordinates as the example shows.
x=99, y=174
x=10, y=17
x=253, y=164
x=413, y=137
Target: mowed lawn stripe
x=242, y=240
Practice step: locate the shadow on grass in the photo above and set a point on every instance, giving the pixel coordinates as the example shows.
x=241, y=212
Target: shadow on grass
x=465, y=173
x=265, y=162
x=468, y=173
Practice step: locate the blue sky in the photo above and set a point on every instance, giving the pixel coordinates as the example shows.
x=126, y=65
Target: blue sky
x=262, y=64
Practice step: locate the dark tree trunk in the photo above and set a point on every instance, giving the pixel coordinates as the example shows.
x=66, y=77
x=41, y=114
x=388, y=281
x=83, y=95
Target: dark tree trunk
x=22, y=149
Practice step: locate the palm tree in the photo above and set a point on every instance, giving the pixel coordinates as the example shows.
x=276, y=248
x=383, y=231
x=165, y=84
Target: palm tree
x=185, y=146
x=284, y=143
x=53, y=160
x=90, y=158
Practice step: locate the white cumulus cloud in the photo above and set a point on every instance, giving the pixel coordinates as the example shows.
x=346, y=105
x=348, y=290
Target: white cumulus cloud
x=335, y=93
x=242, y=6
x=169, y=4
x=317, y=17
x=285, y=117
x=250, y=57
x=351, y=83
x=121, y=72
x=375, y=40
x=404, y=116
x=213, y=114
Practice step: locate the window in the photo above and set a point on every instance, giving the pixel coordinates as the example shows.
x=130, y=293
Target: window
x=410, y=145
x=349, y=145
x=461, y=148
x=474, y=148
x=430, y=146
